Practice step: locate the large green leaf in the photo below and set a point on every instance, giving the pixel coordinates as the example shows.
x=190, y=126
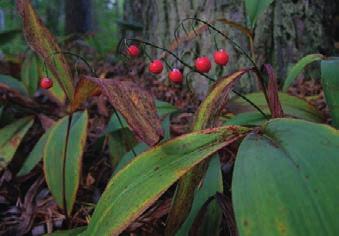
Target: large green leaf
x=285, y=181
x=292, y=106
x=255, y=8
x=30, y=73
x=299, y=67
x=10, y=139
x=246, y=119
x=35, y=156
x=206, y=117
x=12, y=84
x=44, y=44
x=63, y=158
x=133, y=189
x=212, y=183
x=330, y=82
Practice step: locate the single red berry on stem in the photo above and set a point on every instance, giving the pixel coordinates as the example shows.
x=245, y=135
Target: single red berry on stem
x=203, y=64
x=175, y=76
x=221, y=57
x=46, y=83
x=133, y=51
x=156, y=67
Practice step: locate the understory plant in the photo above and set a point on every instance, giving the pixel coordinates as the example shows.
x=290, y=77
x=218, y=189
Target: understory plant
x=284, y=174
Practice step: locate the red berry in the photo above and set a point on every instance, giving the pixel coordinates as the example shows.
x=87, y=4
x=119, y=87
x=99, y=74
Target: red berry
x=175, y=76
x=203, y=64
x=46, y=83
x=133, y=51
x=221, y=57
x=156, y=67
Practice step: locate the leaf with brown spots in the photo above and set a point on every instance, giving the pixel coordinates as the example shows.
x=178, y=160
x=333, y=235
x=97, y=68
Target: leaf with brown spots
x=285, y=180
x=10, y=139
x=140, y=183
x=43, y=43
x=136, y=105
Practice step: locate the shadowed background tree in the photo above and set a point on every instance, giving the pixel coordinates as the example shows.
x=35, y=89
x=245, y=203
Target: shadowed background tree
x=78, y=16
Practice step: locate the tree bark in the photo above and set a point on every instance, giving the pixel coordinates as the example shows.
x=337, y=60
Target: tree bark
x=78, y=16
x=287, y=31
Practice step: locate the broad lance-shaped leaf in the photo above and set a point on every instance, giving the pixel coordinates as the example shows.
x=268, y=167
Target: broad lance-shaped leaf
x=255, y=8
x=44, y=44
x=11, y=137
x=285, y=181
x=35, y=156
x=330, y=82
x=13, y=84
x=206, y=117
x=139, y=184
x=292, y=106
x=136, y=105
x=299, y=67
x=63, y=158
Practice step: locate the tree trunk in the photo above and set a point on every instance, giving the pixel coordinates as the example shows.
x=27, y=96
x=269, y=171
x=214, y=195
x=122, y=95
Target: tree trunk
x=78, y=16
x=287, y=31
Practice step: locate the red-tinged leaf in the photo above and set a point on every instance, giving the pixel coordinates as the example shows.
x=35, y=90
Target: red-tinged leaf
x=273, y=93
x=206, y=117
x=85, y=88
x=136, y=105
x=44, y=44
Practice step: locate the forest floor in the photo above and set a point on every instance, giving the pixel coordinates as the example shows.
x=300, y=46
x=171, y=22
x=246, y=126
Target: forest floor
x=26, y=205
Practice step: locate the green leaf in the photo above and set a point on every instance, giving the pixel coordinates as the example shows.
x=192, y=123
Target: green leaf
x=63, y=158
x=120, y=142
x=207, y=116
x=285, y=181
x=292, y=106
x=294, y=73
x=254, y=8
x=246, y=119
x=11, y=137
x=212, y=183
x=8, y=36
x=30, y=73
x=141, y=147
x=44, y=44
x=330, y=82
x=71, y=232
x=13, y=84
x=35, y=156
x=139, y=184
x=164, y=108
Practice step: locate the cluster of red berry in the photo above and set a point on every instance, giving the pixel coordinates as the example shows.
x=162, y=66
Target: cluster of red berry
x=202, y=64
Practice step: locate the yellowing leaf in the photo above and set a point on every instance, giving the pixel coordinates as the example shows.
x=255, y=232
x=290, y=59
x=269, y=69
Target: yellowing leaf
x=44, y=44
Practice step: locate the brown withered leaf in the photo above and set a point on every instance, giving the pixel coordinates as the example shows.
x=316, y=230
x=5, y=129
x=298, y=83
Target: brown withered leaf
x=272, y=92
x=136, y=105
x=85, y=88
x=43, y=43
